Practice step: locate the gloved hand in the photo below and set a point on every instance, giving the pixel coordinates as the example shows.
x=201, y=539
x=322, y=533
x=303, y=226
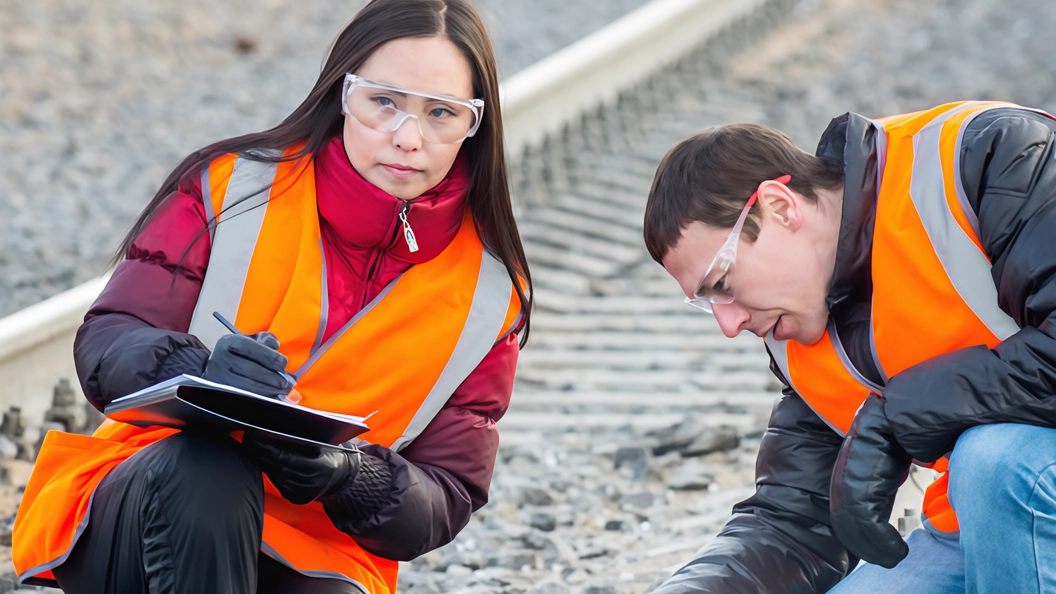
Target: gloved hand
x=252, y=363
x=869, y=469
x=303, y=473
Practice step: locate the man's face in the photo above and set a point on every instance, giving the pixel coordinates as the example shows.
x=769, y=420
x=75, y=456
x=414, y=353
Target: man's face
x=779, y=282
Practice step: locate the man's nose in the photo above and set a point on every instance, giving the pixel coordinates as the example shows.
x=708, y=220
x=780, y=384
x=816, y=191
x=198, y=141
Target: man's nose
x=731, y=318
x=408, y=135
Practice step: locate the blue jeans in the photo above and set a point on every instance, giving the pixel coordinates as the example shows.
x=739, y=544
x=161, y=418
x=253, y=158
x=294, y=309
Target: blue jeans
x=1003, y=488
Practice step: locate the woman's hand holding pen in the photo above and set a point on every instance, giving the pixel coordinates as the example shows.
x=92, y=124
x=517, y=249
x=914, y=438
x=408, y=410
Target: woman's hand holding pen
x=268, y=385
x=250, y=362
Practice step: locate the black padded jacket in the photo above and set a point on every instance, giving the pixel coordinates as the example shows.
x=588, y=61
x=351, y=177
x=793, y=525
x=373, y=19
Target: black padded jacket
x=780, y=540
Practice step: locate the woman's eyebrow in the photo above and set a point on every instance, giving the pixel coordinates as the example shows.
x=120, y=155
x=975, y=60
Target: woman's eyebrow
x=394, y=91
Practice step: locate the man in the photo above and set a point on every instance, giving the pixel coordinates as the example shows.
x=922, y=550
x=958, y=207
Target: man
x=905, y=281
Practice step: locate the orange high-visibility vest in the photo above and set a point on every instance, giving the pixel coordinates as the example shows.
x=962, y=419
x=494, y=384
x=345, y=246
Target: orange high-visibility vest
x=932, y=289
x=267, y=271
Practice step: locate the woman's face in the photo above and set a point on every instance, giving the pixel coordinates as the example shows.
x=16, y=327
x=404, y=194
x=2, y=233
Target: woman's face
x=402, y=163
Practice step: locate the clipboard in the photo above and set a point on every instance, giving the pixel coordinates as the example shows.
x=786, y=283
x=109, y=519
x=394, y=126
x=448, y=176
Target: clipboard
x=189, y=402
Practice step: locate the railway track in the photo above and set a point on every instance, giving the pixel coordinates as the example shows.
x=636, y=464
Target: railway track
x=583, y=500
x=634, y=423
x=614, y=351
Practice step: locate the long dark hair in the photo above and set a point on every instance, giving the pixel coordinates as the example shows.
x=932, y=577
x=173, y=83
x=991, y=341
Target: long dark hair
x=318, y=119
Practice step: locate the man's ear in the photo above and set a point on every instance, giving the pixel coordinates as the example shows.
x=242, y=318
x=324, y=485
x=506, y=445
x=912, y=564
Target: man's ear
x=781, y=205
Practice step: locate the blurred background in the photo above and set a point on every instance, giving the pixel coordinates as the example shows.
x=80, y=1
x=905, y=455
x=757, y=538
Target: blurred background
x=100, y=100
x=634, y=424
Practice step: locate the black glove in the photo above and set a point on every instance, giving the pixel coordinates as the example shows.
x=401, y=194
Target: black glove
x=870, y=468
x=251, y=363
x=302, y=472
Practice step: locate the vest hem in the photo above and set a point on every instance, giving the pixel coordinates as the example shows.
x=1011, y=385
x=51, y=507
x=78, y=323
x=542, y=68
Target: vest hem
x=48, y=566
x=312, y=573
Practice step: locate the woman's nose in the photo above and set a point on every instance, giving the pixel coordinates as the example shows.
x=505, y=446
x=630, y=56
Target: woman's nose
x=731, y=318
x=408, y=136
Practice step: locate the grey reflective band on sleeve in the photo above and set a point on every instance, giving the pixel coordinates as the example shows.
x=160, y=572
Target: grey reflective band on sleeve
x=966, y=266
x=487, y=314
x=779, y=352
x=244, y=207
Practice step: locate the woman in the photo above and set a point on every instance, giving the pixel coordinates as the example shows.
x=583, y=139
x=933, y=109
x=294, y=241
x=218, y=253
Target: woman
x=371, y=235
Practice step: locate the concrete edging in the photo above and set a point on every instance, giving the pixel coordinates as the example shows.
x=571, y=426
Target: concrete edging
x=36, y=347
x=554, y=92
x=36, y=343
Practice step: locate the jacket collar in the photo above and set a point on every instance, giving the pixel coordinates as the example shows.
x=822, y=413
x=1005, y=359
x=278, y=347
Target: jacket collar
x=366, y=217
x=850, y=140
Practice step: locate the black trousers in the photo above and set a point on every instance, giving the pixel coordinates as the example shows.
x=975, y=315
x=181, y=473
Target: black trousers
x=182, y=515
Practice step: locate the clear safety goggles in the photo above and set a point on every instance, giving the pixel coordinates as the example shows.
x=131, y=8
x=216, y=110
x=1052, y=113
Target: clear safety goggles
x=716, y=287
x=441, y=119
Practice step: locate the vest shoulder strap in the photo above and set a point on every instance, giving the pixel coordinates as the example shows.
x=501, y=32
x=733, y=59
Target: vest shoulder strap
x=241, y=207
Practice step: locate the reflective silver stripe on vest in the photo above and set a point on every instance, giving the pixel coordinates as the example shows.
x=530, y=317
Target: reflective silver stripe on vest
x=779, y=353
x=207, y=202
x=321, y=350
x=487, y=313
x=962, y=196
x=241, y=218
x=312, y=573
x=81, y=527
x=872, y=349
x=324, y=305
x=954, y=536
x=841, y=354
x=880, y=141
x=966, y=266
x=35, y=571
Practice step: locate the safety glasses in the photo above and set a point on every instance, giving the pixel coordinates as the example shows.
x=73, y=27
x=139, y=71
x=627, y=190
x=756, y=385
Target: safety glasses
x=441, y=119
x=716, y=286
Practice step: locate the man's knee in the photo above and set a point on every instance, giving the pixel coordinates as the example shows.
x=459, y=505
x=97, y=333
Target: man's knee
x=983, y=452
x=994, y=464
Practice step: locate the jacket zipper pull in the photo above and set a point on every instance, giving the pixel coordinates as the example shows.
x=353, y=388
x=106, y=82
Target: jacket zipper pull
x=408, y=233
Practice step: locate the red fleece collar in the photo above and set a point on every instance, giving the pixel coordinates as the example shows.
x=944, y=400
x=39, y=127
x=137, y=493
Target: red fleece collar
x=367, y=217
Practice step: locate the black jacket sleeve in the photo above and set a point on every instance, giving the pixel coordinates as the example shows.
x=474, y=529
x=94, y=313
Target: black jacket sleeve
x=117, y=354
x=395, y=508
x=1009, y=175
x=778, y=540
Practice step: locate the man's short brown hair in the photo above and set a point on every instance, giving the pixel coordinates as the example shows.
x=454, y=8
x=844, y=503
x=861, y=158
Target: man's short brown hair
x=710, y=176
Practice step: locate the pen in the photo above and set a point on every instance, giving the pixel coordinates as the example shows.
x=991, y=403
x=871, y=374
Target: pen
x=227, y=324
x=294, y=396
